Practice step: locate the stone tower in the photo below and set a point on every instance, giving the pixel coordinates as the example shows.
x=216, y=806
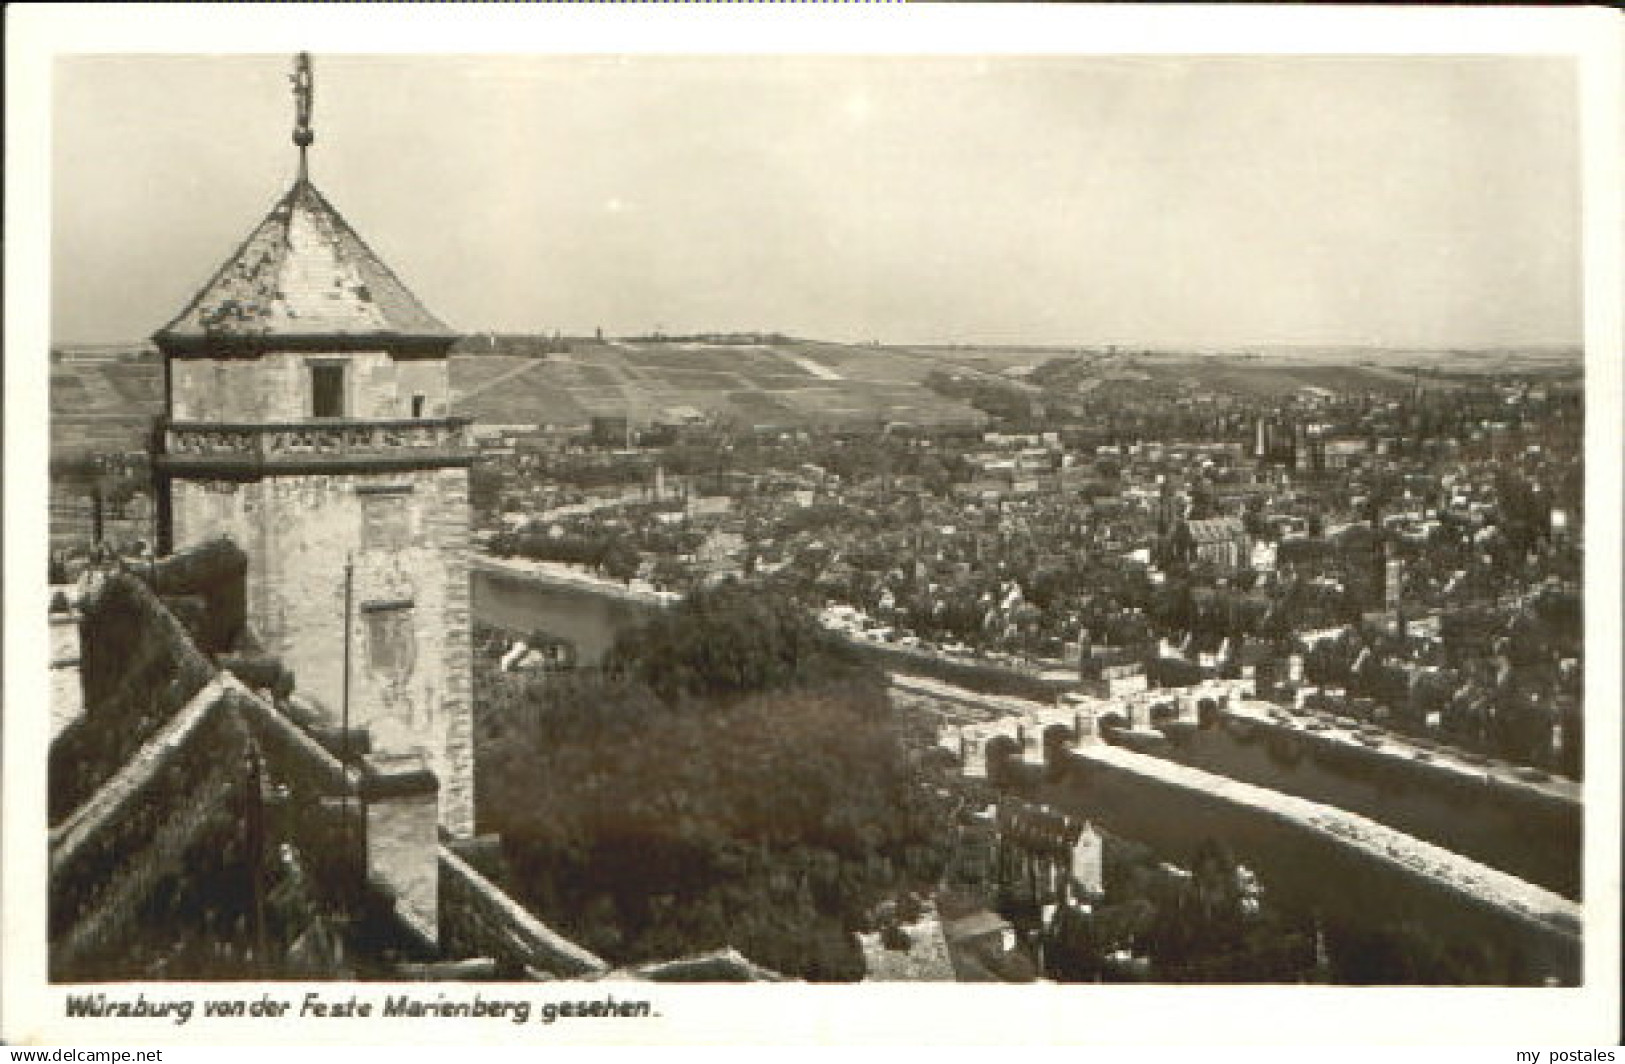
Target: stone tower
x=307, y=417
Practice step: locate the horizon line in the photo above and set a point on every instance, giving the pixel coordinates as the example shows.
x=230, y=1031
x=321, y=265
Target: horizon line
x=1092, y=346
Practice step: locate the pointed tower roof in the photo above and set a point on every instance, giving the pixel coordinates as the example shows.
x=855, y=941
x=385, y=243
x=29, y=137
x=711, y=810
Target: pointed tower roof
x=303, y=280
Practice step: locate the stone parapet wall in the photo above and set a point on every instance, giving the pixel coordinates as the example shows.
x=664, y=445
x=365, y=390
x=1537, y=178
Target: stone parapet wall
x=1484, y=885
x=127, y=885
x=107, y=856
x=291, y=754
x=1314, y=853
x=138, y=667
x=135, y=775
x=477, y=919
x=178, y=777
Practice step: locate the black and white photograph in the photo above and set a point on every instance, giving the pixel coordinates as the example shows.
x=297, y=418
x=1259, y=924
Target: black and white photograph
x=556, y=517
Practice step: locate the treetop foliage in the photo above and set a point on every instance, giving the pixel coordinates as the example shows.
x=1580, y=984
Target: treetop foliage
x=730, y=641
x=733, y=778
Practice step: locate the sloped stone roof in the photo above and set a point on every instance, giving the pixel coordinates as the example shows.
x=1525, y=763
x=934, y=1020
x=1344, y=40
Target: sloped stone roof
x=302, y=278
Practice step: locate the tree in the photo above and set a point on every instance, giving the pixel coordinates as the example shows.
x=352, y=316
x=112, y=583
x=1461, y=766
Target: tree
x=485, y=483
x=620, y=561
x=733, y=640
x=773, y=819
x=1409, y=953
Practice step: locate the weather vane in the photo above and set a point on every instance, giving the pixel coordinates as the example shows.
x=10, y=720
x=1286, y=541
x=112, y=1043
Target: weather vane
x=304, y=92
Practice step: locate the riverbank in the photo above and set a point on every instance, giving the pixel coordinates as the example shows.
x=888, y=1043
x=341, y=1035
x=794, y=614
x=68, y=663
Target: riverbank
x=976, y=675
x=558, y=574
x=1422, y=761
x=983, y=677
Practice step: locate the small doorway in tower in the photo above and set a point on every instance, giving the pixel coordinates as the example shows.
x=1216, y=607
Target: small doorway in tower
x=417, y=405
x=326, y=390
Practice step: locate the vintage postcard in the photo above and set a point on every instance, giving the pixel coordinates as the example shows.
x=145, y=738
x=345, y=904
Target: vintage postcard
x=520, y=523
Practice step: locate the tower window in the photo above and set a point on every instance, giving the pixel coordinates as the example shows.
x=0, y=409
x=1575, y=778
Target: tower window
x=326, y=390
x=391, y=644
x=384, y=524
x=417, y=405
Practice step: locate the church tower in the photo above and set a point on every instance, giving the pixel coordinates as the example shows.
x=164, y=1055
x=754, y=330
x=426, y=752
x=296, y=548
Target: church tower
x=308, y=418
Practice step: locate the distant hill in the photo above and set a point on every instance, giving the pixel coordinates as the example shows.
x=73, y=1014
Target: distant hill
x=788, y=384
x=103, y=397
x=1245, y=378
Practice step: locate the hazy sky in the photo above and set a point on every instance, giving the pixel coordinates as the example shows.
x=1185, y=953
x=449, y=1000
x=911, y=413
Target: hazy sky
x=1400, y=201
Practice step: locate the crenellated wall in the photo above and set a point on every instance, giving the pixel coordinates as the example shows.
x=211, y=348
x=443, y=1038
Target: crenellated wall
x=1317, y=856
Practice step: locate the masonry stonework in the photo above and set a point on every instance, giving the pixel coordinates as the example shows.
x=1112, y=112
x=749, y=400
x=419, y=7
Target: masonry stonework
x=276, y=387
x=299, y=533
x=308, y=421
x=403, y=846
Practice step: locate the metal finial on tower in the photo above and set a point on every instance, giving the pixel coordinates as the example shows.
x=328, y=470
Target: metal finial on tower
x=304, y=93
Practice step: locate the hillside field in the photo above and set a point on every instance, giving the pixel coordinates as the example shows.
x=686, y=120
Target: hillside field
x=106, y=402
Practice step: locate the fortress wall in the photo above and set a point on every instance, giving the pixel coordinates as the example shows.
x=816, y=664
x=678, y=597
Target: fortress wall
x=138, y=667
x=1344, y=867
x=108, y=856
x=1336, y=862
x=1488, y=816
x=165, y=786
x=478, y=919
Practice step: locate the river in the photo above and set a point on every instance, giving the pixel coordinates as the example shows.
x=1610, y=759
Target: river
x=521, y=604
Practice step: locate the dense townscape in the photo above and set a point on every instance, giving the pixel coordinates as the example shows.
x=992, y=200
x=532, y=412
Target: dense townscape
x=1413, y=556
x=1402, y=562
